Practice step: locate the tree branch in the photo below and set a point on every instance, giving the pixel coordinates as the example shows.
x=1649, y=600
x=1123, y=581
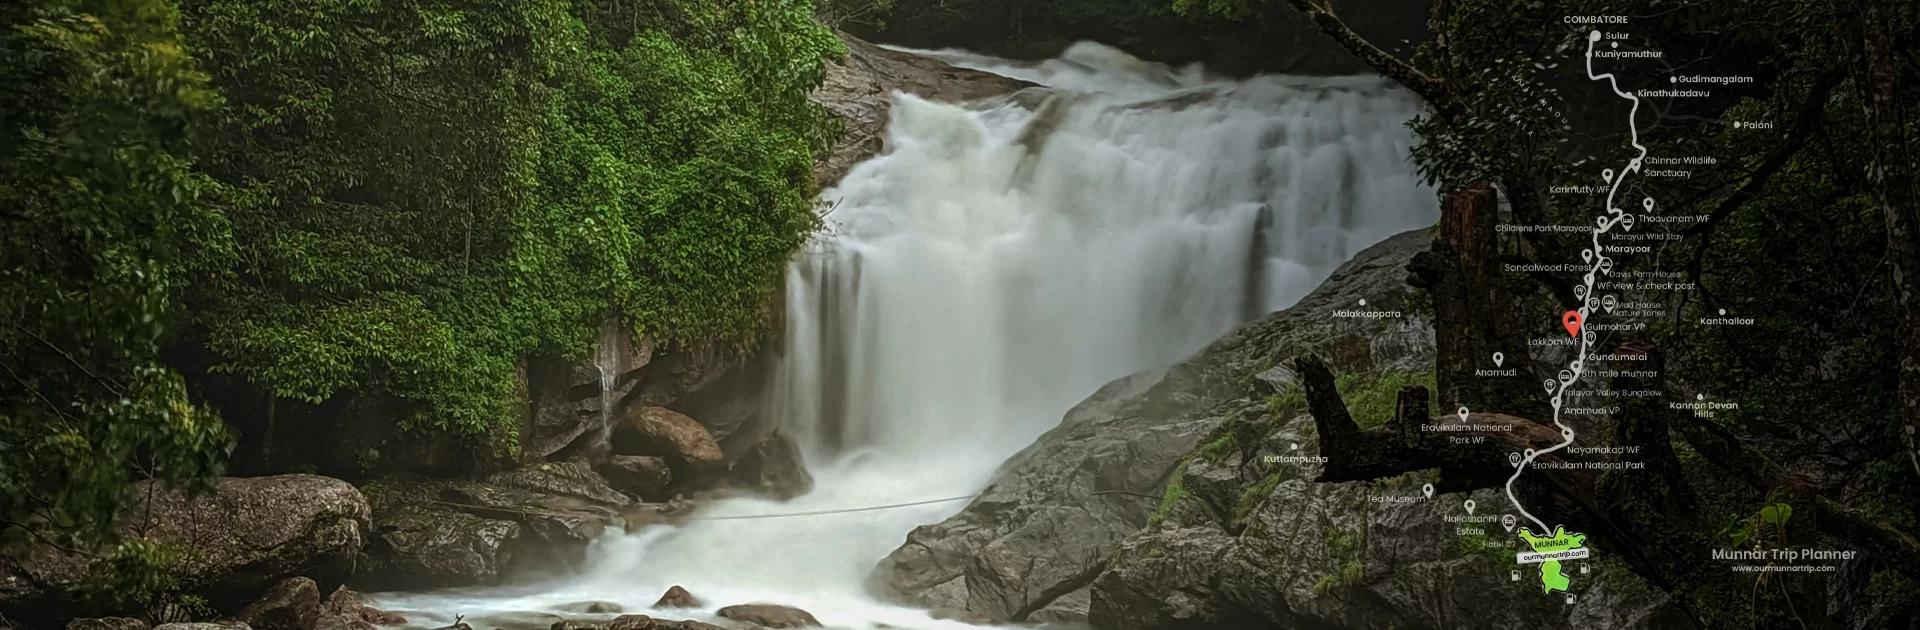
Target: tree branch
x=1434, y=90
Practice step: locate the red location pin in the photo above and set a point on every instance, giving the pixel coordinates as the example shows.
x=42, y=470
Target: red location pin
x=1572, y=321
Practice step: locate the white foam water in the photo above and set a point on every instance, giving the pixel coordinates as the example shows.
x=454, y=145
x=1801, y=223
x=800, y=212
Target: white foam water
x=997, y=264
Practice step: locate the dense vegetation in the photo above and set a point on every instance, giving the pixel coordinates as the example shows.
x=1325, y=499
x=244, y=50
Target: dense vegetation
x=393, y=198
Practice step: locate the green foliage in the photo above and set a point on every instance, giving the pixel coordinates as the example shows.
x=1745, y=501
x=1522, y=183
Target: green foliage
x=843, y=13
x=94, y=246
x=1285, y=404
x=1776, y=514
x=422, y=193
x=1176, y=490
x=1372, y=398
x=1346, y=548
x=397, y=199
x=1252, y=497
x=1222, y=446
x=137, y=577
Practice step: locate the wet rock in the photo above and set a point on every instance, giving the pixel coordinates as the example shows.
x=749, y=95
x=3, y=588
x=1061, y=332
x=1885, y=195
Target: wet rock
x=691, y=453
x=575, y=624
x=859, y=90
x=642, y=476
x=420, y=543
x=1029, y=547
x=107, y=623
x=574, y=402
x=204, y=625
x=677, y=597
x=631, y=622
x=293, y=604
x=439, y=533
x=349, y=605
x=769, y=615
x=773, y=467
x=689, y=624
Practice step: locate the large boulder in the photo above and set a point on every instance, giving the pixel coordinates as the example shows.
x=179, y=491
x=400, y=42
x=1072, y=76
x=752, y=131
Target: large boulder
x=245, y=535
x=431, y=533
x=859, y=90
x=774, y=467
x=769, y=615
x=293, y=604
x=1241, y=544
x=420, y=543
x=690, y=451
x=345, y=609
x=677, y=597
x=1031, y=544
x=643, y=476
x=107, y=623
x=250, y=533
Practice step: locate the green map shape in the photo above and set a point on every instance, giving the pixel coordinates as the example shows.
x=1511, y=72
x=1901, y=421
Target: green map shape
x=1551, y=579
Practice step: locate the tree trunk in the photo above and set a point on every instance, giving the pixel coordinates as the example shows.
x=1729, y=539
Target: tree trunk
x=1473, y=310
x=1870, y=61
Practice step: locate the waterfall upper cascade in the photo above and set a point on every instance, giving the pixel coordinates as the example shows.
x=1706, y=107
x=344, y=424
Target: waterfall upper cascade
x=997, y=264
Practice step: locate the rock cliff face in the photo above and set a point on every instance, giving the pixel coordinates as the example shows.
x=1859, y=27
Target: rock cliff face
x=1184, y=498
x=1263, y=545
x=1267, y=37
x=1032, y=544
x=859, y=89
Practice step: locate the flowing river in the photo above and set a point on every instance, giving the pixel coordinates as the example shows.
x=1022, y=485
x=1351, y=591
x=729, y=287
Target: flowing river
x=996, y=265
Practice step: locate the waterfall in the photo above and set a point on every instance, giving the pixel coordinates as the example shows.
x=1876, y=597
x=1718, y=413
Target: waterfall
x=997, y=264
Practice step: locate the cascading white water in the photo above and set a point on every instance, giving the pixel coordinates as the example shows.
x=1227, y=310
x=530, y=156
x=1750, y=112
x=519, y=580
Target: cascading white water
x=994, y=267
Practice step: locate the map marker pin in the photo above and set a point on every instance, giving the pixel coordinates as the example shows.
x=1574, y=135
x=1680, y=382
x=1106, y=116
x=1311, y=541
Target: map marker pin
x=1571, y=320
x=1603, y=224
x=1580, y=292
x=1607, y=175
x=1606, y=266
x=1647, y=203
x=1566, y=434
x=1575, y=366
x=1607, y=302
x=1469, y=505
x=1463, y=414
x=1428, y=489
x=1589, y=337
x=1566, y=376
x=1586, y=255
x=1506, y=520
x=1498, y=359
x=1529, y=453
x=1514, y=459
x=1626, y=222
x=1549, y=383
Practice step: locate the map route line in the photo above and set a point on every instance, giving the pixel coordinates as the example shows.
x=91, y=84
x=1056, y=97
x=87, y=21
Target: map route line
x=1600, y=265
